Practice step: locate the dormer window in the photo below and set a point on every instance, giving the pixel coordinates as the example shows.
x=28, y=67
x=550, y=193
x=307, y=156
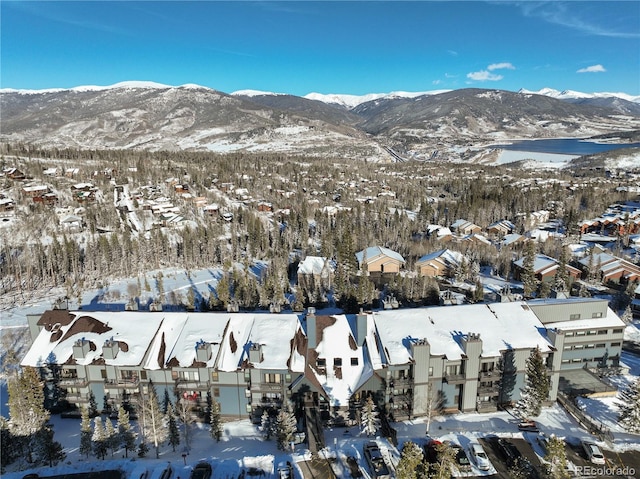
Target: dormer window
x=337, y=362
x=321, y=362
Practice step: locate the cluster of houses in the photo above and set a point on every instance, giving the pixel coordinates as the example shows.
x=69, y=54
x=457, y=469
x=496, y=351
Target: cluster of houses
x=473, y=357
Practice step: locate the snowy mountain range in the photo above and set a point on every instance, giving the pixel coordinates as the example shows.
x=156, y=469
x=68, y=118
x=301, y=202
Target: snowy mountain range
x=147, y=115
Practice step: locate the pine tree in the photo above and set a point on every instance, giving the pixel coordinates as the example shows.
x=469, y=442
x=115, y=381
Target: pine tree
x=627, y=316
x=629, y=407
x=561, y=280
x=7, y=449
x=49, y=450
x=556, y=457
x=86, y=444
x=26, y=409
x=445, y=457
x=93, y=405
x=528, y=275
x=126, y=436
x=166, y=401
x=411, y=462
x=99, y=440
x=285, y=427
x=536, y=389
x=172, y=425
x=215, y=421
x=266, y=424
x=154, y=429
x=111, y=436
x=370, y=420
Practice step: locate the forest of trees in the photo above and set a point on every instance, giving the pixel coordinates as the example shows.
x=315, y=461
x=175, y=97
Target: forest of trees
x=387, y=205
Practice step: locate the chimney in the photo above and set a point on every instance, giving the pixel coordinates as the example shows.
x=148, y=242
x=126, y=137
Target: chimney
x=110, y=349
x=311, y=328
x=255, y=353
x=80, y=348
x=362, y=320
x=203, y=351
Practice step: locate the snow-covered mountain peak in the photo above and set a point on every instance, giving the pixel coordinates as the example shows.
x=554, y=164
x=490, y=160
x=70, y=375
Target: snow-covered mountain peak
x=256, y=93
x=352, y=101
x=575, y=95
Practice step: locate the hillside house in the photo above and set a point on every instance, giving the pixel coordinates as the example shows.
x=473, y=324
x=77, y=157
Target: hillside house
x=545, y=268
x=377, y=259
x=610, y=269
x=34, y=191
x=464, y=227
x=7, y=205
x=14, y=174
x=440, y=264
x=501, y=228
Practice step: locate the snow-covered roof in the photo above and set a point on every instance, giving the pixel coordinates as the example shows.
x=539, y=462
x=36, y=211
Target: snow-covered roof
x=445, y=256
x=611, y=320
x=357, y=362
x=315, y=265
x=376, y=251
x=501, y=326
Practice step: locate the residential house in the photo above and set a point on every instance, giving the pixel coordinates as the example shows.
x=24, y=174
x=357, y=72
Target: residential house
x=545, y=268
x=7, y=205
x=34, y=191
x=377, y=259
x=464, y=227
x=442, y=263
x=14, y=174
x=501, y=228
x=610, y=269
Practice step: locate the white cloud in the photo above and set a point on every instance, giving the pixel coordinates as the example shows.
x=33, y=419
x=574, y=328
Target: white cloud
x=501, y=66
x=484, y=75
x=593, y=69
x=436, y=82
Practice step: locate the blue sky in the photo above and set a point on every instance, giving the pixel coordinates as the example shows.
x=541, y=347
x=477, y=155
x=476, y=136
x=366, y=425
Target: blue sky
x=300, y=47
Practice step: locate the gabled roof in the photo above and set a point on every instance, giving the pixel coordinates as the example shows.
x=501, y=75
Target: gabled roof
x=445, y=257
x=316, y=265
x=374, y=252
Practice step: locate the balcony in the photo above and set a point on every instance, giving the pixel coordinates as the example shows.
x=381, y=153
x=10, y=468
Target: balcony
x=400, y=382
x=487, y=406
x=121, y=383
x=270, y=402
x=456, y=378
x=489, y=374
x=488, y=390
x=72, y=381
x=269, y=387
x=191, y=385
x=76, y=398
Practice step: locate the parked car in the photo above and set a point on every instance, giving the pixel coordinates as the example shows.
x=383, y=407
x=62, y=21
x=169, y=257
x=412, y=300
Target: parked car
x=479, y=457
x=508, y=451
x=593, y=452
x=543, y=442
x=372, y=454
x=284, y=470
x=201, y=471
x=462, y=460
x=431, y=451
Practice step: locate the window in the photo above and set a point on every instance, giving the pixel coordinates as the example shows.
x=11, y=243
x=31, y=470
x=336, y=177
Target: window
x=590, y=346
x=565, y=361
x=214, y=376
x=603, y=331
x=143, y=375
x=617, y=331
x=576, y=360
x=597, y=315
x=591, y=333
x=287, y=378
x=568, y=348
x=580, y=333
x=103, y=373
x=615, y=345
x=578, y=346
x=321, y=362
x=600, y=345
x=216, y=392
x=272, y=378
x=430, y=370
x=337, y=362
x=354, y=361
x=189, y=375
x=247, y=375
x=573, y=317
x=569, y=335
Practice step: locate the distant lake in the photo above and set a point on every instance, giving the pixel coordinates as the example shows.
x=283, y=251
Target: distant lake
x=565, y=146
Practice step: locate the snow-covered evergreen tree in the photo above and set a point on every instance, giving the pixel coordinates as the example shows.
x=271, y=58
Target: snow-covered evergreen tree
x=111, y=436
x=556, y=458
x=99, y=440
x=86, y=443
x=370, y=420
x=93, y=405
x=266, y=424
x=285, y=427
x=411, y=462
x=172, y=426
x=627, y=315
x=215, y=421
x=528, y=275
x=629, y=407
x=126, y=436
x=445, y=457
x=536, y=389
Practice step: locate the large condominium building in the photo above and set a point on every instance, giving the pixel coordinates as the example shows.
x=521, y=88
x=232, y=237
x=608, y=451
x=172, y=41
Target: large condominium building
x=468, y=358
